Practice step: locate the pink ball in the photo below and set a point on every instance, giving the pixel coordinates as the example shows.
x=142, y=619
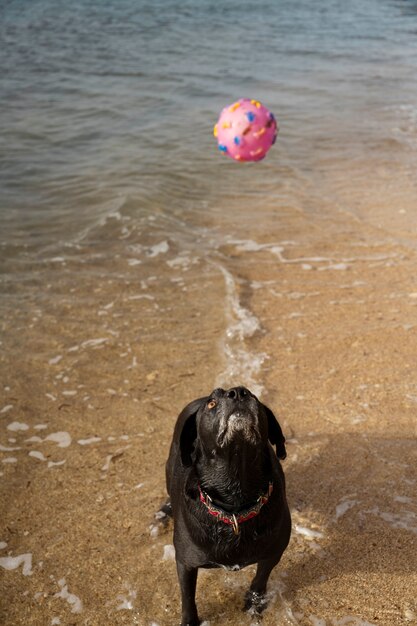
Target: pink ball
x=246, y=130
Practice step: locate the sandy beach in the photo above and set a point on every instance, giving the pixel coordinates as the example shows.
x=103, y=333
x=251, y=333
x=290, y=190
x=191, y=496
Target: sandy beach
x=89, y=402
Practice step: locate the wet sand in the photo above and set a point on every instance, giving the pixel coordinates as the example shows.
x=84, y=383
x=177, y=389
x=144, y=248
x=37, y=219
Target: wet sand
x=107, y=361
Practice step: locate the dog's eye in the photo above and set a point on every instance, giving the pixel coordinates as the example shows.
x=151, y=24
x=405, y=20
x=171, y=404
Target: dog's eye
x=211, y=404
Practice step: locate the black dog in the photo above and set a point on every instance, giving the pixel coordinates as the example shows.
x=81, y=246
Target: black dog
x=227, y=492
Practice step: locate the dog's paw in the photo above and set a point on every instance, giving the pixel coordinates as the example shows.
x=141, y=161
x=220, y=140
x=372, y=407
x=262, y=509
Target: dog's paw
x=255, y=603
x=165, y=511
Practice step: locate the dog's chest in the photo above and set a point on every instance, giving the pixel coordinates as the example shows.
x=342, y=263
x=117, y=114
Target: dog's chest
x=234, y=554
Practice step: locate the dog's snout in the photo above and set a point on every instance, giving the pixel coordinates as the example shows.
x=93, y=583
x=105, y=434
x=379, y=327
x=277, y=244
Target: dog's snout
x=237, y=393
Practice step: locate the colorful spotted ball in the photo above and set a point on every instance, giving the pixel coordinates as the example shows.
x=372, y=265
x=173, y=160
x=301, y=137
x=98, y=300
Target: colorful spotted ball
x=246, y=130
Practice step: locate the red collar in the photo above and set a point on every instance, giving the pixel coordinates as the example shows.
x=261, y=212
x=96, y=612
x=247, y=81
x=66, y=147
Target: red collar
x=233, y=519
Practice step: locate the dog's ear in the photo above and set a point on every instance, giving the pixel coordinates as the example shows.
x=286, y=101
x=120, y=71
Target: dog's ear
x=187, y=440
x=275, y=435
x=187, y=423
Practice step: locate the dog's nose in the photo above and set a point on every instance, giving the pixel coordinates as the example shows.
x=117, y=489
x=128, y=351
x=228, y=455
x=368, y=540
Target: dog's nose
x=237, y=393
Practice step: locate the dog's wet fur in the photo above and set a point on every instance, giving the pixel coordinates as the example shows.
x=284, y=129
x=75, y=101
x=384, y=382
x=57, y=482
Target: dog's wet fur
x=226, y=445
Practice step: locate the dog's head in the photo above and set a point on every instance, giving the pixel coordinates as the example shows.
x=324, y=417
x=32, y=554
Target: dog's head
x=227, y=417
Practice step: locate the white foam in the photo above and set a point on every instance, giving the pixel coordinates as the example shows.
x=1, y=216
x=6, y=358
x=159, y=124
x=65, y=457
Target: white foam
x=182, y=262
x=335, y=266
x=410, y=616
x=3, y=544
x=62, y=438
x=279, y=249
x=317, y=621
x=110, y=457
x=55, y=359
x=245, y=324
x=133, y=262
x=34, y=439
x=403, y=499
x=54, y=463
x=154, y=530
x=107, y=463
x=242, y=324
x=126, y=604
x=159, y=248
x=8, y=448
x=87, y=442
x=286, y=614
x=9, y=459
x=406, y=520
x=6, y=408
x=308, y=532
x=16, y=426
x=144, y=296
x=55, y=621
x=248, y=245
x=13, y=562
x=37, y=455
x=126, y=601
x=135, y=248
x=93, y=343
x=351, y=620
x=343, y=507
x=169, y=553
x=41, y=426
x=71, y=598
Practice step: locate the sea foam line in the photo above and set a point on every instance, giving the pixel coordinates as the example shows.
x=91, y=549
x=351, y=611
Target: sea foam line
x=278, y=250
x=242, y=366
x=13, y=562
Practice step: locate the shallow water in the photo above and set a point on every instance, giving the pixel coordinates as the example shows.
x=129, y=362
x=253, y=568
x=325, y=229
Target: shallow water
x=140, y=269
x=107, y=150
x=107, y=113
x=107, y=109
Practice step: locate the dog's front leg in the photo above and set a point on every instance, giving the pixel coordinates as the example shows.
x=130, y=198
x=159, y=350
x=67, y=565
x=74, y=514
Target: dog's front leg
x=187, y=577
x=255, y=597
